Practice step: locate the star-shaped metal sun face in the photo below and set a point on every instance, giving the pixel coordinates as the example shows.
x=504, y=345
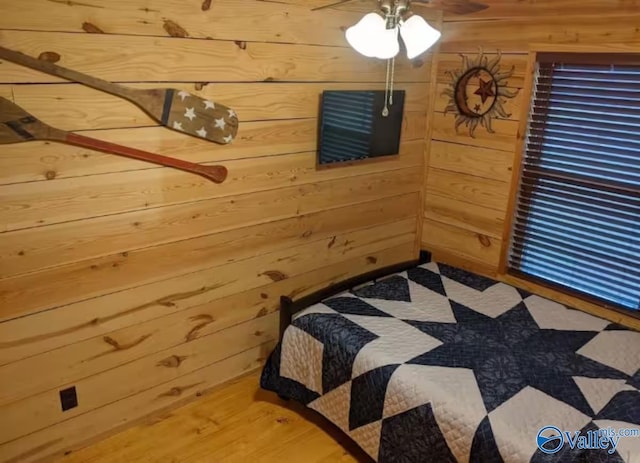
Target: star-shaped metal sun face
x=511, y=352
x=478, y=108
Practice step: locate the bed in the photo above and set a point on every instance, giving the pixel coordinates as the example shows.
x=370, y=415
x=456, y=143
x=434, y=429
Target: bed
x=436, y=364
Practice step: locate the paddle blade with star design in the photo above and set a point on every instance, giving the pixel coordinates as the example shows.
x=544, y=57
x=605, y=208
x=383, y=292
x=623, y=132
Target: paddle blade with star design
x=176, y=109
x=193, y=115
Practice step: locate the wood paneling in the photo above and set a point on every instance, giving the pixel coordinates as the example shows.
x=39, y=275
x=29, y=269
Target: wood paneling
x=49, y=330
x=471, y=160
x=568, y=9
x=429, y=132
x=101, y=353
x=471, y=180
x=468, y=188
x=463, y=214
x=62, y=365
x=131, y=58
x=260, y=22
x=43, y=247
x=86, y=279
x=143, y=286
x=515, y=35
x=468, y=244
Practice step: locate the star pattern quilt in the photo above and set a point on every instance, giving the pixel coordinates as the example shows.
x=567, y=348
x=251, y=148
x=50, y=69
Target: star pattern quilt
x=440, y=365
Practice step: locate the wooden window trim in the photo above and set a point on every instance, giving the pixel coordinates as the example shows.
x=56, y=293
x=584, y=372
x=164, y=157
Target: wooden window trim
x=581, y=302
x=563, y=295
x=587, y=58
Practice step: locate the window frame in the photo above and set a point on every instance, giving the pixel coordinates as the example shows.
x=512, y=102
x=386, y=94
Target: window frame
x=537, y=52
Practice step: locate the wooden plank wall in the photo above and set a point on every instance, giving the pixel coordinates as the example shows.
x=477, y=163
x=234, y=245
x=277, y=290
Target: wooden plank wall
x=144, y=286
x=469, y=180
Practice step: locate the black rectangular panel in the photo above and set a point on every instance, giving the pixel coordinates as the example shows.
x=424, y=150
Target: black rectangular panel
x=68, y=398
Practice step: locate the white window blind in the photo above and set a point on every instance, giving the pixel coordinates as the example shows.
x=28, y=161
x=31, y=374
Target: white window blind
x=577, y=219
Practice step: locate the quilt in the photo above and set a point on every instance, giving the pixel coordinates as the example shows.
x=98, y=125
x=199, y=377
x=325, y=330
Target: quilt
x=440, y=365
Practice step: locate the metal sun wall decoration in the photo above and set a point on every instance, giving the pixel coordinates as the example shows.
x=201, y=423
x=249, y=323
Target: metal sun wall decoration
x=478, y=92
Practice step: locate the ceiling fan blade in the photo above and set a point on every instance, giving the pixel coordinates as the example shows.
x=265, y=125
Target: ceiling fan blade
x=454, y=6
x=330, y=5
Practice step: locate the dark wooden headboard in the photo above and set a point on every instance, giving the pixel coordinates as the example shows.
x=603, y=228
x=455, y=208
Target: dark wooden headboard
x=289, y=307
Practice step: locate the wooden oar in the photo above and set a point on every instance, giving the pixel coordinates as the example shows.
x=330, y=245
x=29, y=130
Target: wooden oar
x=176, y=109
x=17, y=125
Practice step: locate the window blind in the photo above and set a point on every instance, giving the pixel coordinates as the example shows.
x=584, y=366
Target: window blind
x=347, y=125
x=577, y=218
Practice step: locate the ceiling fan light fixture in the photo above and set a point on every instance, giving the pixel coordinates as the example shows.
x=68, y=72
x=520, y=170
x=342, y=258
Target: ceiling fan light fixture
x=376, y=34
x=418, y=35
x=366, y=36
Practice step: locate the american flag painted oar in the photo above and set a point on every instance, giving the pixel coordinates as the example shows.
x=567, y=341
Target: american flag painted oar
x=177, y=109
x=17, y=125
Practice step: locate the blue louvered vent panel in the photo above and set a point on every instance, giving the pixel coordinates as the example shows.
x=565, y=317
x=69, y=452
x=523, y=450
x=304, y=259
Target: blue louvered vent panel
x=347, y=126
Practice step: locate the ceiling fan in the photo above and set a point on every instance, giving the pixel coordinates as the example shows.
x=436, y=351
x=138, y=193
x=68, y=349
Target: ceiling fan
x=448, y=6
x=377, y=34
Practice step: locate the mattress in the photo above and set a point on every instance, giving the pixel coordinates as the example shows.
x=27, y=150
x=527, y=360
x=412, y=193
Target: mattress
x=436, y=364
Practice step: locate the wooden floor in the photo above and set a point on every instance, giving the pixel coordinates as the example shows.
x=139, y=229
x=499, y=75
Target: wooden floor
x=237, y=422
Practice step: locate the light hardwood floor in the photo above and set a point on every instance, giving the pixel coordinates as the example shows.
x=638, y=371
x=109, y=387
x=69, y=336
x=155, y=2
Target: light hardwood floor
x=237, y=422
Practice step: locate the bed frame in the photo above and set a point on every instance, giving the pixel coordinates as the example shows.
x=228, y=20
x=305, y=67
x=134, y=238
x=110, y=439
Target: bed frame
x=289, y=307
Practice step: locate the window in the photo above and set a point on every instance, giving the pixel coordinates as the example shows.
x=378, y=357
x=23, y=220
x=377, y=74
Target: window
x=577, y=217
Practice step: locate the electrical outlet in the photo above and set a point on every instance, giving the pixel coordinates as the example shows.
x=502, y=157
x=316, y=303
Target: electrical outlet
x=68, y=398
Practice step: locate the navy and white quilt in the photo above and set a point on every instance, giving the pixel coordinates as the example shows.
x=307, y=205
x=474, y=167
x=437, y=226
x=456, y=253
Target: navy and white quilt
x=438, y=365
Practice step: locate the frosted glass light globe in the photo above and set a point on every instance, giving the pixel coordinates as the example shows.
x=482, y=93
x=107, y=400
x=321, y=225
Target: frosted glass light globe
x=387, y=44
x=364, y=36
x=418, y=35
